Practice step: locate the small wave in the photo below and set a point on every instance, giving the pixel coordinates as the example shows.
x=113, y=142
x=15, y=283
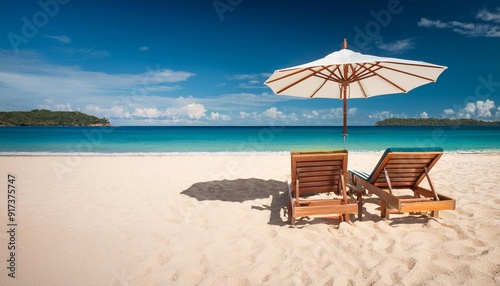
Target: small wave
x=215, y=153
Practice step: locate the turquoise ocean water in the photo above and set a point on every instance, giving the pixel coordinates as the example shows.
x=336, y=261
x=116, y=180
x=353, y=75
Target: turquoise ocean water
x=168, y=140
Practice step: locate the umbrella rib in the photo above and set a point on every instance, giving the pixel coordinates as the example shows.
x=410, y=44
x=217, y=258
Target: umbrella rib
x=408, y=73
x=326, y=78
x=336, y=77
x=366, y=73
x=300, y=80
x=417, y=65
x=287, y=75
x=321, y=86
x=358, y=81
x=332, y=76
x=382, y=77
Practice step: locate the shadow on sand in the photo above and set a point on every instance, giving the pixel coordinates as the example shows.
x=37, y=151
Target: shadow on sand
x=242, y=190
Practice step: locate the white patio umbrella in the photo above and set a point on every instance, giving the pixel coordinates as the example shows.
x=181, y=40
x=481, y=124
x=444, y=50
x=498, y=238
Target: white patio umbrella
x=346, y=74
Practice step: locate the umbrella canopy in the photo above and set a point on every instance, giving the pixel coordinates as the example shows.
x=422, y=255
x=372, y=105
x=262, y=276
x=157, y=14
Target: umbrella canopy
x=346, y=74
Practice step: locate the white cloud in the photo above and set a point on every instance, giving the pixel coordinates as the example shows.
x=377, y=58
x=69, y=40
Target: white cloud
x=478, y=109
x=244, y=114
x=327, y=115
x=60, y=39
x=217, y=116
x=312, y=115
x=486, y=15
x=252, y=76
x=167, y=75
x=195, y=110
x=470, y=107
x=424, y=115
x=396, y=47
x=448, y=112
x=381, y=115
x=337, y=112
x=32, y=78
x=144, y=48
x=292, y=117
x=113, y=112
x=273, y=112
x=255, y=80
x=469, y=29
x=147, y=112
x=484, y=107
x=85, y=53
x=431, y=24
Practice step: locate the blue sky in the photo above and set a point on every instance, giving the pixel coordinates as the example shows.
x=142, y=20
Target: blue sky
x=204, y=62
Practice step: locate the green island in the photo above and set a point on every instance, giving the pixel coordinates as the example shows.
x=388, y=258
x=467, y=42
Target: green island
x=43, y=117
x=435, y=122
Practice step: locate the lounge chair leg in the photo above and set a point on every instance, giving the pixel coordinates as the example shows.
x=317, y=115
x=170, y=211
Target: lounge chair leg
x=384, y=211
x=291, y=219
x=435, y=214
x=360, y=206
x=346, y=218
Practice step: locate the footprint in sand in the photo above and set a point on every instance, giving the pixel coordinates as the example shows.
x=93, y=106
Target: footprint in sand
x=410, y=263
x=161, y=259
x=464, y=212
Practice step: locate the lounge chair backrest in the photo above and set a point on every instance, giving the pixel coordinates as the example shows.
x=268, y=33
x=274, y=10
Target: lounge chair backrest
x=318, y=171
x=405, y=166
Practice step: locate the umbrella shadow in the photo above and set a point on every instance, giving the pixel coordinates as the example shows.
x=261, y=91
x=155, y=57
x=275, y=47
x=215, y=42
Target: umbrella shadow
x=241, y=190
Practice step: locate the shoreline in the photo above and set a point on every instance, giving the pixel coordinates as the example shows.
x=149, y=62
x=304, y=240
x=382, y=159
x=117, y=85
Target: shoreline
x=204, y=153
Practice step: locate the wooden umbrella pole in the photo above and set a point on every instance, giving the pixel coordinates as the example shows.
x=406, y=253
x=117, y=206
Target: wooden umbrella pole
x=344, y=87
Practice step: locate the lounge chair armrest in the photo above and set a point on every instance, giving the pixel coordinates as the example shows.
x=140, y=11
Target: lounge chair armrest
x=355, y=189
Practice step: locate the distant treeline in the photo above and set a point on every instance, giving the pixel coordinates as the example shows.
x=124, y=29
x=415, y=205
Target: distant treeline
x=42, y=117
x=433, y=122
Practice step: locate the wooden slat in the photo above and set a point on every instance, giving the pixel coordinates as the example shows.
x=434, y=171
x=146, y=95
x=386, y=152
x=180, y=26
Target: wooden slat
x=395, y=184
x=428, y=206
x=405, y=170
x=411, y=160
x=318, y=162
x=415, y=200
x=318, y=189
x=316, y=184
x=325, y=202
x=397, y=165
x=424, y=192
x=400, y=155
x=395, y=179
x=334, y=180
x=317, y=168
x=319, y=173
x=322, y=210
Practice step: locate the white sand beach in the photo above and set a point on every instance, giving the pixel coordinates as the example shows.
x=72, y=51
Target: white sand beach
x=219, y=220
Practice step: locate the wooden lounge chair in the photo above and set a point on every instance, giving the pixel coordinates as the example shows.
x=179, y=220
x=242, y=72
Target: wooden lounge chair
x=316, y=173
x=404, y=168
